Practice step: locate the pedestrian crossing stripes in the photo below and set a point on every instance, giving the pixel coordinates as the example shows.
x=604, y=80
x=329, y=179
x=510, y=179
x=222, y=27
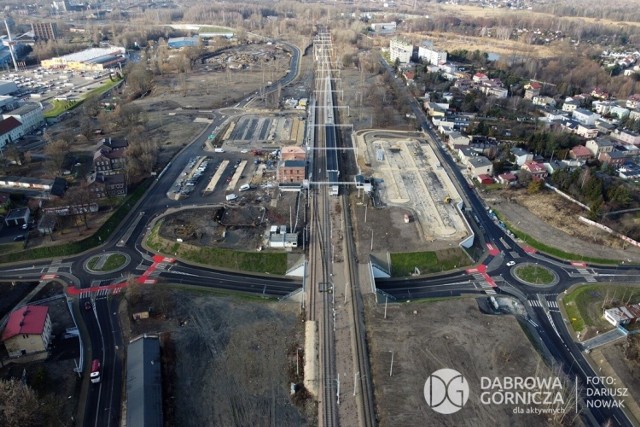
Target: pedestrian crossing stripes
x=537, y=303
x=590, y=279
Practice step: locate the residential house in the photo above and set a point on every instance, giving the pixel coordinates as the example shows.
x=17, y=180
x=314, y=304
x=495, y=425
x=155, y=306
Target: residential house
x=479, y=165
x=537, y=170
x=629, y=170
x=622, y=315
x=552, y=114
x=480, y=77
x=114, y=185
x=580, y=152
x=456, y=138
x=485, y=179
x=532, y=89
x=110, y=157
x=619, y=112
x=409, y=75
x=436, y=109
x=603, y=107
x=544, y=101
x=614, y=158
x=599, y=145
x=400, y=50
x=570, y=104
x=627, y=136
x=585, y=117
x=599, y=93
x=633, y=102
x=29, y=115
x=586, y=131
x=464, y=153
x=605, y=127
x=554, y=166
x=522, y=156
x=507, y=178
x=10, y=131
x=28, y=331
x=493, y=87
x=16, y=217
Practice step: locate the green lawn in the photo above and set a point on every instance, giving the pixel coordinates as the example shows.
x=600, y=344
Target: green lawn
x=405, y=263
x=534, y=274
x=584, y=304
x=60, y=107
x=558, y=253
x=113, y=262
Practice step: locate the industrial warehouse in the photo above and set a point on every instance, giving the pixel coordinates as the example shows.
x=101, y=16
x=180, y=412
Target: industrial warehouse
x=94, y=59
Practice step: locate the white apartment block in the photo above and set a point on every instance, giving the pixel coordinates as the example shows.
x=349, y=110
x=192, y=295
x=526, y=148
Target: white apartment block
x=401, y=50
x=432, y=56
x=30, y=115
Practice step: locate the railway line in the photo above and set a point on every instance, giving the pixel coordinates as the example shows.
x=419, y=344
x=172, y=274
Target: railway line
x=321, y=299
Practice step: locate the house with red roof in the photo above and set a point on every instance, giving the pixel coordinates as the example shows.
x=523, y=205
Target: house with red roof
x=537, y=170
x=480, y=77
x=28, y=331
x=10, y=131
x=580, y=152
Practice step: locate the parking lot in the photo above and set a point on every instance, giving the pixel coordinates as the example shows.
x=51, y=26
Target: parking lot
x=43, y=85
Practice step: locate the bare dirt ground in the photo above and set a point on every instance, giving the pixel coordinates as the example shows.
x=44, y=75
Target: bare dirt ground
x=234, y=227
x=621, y=360
x=448, y=334
x=553, y=220
x=236, y=354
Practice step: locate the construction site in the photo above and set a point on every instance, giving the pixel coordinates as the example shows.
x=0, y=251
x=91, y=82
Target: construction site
x=408, y=175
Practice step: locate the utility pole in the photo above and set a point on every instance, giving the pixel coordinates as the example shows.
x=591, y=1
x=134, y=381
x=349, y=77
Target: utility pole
x=355, y=382
x=391, y=369
x=386, y=300
x=338, y=392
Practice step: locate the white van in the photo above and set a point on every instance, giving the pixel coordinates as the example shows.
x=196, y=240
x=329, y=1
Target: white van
x=219, y=150
x=245, y=187
x=231, y=197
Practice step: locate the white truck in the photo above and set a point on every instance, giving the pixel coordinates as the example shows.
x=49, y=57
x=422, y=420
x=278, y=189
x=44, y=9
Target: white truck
x=231, y=197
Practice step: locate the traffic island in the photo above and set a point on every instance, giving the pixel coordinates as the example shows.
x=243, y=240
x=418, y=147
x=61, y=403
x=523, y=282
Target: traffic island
x=107, y=262
x=535, y=275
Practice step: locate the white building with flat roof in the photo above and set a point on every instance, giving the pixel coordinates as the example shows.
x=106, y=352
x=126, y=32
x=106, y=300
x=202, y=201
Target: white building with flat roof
x=401, y=50
x=432, y=56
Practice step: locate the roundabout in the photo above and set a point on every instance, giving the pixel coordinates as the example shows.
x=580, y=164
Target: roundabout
x=535, y=275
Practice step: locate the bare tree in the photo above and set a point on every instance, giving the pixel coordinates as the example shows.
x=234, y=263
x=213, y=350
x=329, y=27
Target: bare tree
x=56, y=153
x=19, y=405
x=81, y=197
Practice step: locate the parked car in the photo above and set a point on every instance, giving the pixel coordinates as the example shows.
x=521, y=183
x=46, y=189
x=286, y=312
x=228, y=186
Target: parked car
x=19, y=237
